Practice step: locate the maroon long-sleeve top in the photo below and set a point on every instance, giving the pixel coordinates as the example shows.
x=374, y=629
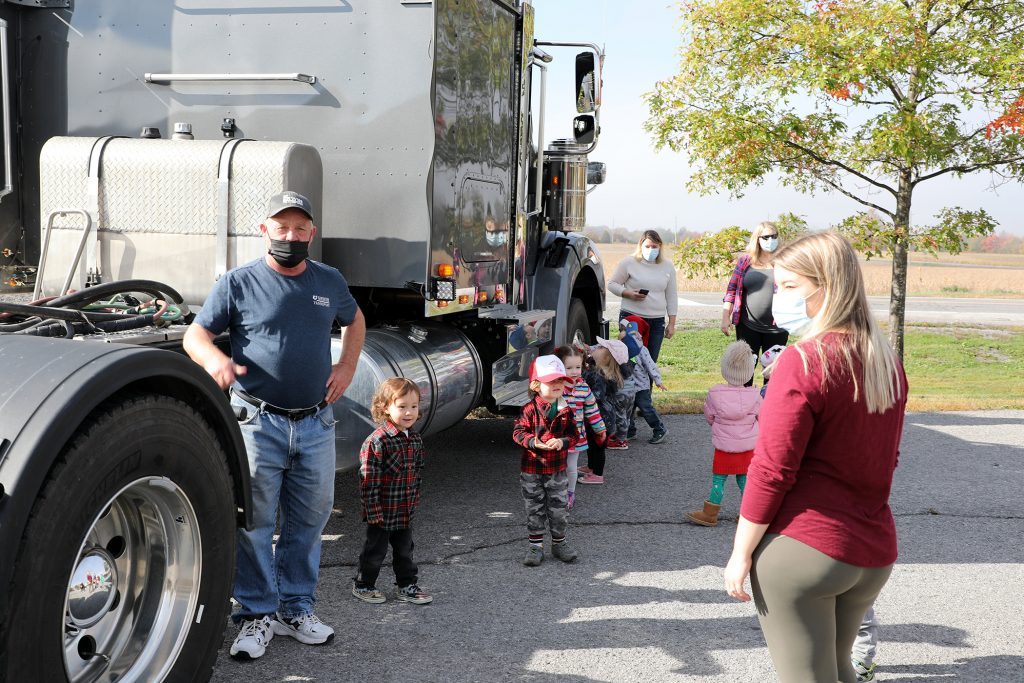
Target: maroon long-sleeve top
x=823, y=465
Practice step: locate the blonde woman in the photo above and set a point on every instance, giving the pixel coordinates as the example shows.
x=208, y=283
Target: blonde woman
x=815, y=531
x=748, y=297
x=647, y=284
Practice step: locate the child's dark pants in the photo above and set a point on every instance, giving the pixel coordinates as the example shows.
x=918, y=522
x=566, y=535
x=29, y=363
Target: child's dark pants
x=376, y=548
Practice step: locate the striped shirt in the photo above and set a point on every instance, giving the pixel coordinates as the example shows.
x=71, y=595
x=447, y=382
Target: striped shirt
x=584, y=406
x=389, y=476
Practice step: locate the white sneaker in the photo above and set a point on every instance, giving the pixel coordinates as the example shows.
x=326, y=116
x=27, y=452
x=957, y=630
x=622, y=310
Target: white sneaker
x=251, y=641
x=306, y=629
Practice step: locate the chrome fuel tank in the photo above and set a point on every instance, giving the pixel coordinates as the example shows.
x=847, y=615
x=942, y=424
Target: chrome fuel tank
x=439, y=358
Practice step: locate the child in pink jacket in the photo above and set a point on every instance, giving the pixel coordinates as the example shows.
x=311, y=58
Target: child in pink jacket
x=731, y=410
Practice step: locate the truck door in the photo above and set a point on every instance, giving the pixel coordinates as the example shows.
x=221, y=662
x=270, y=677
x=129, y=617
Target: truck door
x=475, y=123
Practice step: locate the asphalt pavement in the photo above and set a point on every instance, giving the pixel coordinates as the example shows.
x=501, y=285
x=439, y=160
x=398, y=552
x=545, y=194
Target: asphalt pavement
x=645, y=601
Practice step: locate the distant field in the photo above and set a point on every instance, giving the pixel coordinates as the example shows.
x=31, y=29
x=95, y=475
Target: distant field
x=989, y=275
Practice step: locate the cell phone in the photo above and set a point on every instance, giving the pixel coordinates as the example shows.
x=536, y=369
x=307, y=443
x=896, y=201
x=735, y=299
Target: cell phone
x=645, y=292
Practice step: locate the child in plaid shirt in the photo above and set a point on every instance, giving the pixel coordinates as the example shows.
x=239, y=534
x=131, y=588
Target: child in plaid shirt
x=546, y=430
x=389, y=486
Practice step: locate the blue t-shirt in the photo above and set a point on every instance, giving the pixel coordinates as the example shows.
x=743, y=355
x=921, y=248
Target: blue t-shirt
x=280, y=328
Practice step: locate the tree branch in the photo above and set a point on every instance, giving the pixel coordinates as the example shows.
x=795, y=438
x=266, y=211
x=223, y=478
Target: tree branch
x=968, y=169
x=839, y=188
x=831, y=162
x=939, y=26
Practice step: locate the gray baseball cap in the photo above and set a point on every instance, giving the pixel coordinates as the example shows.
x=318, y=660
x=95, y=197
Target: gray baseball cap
x=289, y=200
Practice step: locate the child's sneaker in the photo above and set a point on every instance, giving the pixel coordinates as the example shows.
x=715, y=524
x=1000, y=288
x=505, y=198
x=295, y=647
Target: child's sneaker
x=307, y=629
x=864, y=673
x=571, y=501
x=414, y=594
x=592, y=479
x=564, y=552
x=371, y=595
x=658, y=437
x=534, y=556
x=251, y=641
x=616, y=445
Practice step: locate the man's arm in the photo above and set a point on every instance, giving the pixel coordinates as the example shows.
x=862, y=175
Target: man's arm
x=352, y=338
x=198, y=344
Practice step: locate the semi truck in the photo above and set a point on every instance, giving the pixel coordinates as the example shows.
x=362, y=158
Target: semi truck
x=141, y=141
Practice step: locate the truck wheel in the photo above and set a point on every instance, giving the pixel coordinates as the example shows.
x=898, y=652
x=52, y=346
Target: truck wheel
x=126, y=565
x=579, y=323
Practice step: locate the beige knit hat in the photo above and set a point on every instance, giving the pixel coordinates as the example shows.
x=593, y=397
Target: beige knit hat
x=738, y=363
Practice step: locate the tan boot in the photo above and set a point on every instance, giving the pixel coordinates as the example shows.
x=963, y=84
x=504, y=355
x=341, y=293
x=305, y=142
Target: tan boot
x=707, y=517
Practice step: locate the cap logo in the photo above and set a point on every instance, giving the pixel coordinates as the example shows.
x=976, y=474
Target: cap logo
x=291, y=199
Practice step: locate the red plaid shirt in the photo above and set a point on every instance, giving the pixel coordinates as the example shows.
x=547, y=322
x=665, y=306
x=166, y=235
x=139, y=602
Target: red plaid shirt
x=734, y=291
x=389, y=476
x=532, y=425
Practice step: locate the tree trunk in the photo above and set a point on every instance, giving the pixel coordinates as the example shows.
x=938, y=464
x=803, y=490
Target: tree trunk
x=898, y=292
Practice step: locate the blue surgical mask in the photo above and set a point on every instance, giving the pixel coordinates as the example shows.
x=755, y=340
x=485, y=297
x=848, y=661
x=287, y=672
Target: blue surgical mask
x=496, y=239
x=789, y=309
x=770, y=244
x=650, y=253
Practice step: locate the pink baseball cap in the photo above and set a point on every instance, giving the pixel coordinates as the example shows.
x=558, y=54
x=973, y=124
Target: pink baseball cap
x=548, y=369
x=617, y=348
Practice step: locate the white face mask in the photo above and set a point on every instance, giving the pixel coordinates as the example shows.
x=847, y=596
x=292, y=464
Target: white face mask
x=650, y=254
x=770, y=244
x=496, y=239
x=789, y=308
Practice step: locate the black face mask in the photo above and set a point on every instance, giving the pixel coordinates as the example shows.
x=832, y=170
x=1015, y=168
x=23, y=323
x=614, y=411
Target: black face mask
x=287, y=253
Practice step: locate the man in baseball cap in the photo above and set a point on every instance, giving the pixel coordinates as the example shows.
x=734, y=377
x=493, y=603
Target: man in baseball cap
x=289, y=200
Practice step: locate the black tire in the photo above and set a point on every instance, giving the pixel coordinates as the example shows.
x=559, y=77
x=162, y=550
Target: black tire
x=129, y=449
x=579, y=321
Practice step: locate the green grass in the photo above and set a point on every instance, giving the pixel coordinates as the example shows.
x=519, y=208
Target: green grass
x=948, y=367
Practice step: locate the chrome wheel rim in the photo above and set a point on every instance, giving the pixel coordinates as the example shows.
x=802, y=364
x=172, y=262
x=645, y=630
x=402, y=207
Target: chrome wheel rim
x=134, y=586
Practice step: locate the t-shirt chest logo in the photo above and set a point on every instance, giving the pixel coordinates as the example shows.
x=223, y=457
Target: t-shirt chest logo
x=321, y=301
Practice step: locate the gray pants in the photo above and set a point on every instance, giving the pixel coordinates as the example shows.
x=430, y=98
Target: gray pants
x=547, y=499
x=811, y=607
x=866, y=644
x=623, y=412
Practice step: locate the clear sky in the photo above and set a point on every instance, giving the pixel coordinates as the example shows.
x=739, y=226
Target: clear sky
x=647, y=189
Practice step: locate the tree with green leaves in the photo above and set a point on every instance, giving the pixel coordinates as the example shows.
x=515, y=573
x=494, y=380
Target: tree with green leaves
x=867, y=99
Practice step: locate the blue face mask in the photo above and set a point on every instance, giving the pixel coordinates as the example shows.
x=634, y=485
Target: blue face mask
x=770, y=244
x=789, y=309
x=650, y=254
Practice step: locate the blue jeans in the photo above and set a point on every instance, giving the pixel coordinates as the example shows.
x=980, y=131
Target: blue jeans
x=292, y=468
x=645, y=404
x=657, y=334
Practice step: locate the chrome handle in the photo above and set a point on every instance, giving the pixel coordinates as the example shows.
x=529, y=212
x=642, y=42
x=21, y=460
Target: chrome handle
x=5, y=93
x=168, y=78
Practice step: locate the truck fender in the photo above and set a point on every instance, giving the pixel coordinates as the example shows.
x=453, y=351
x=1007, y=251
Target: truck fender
x=569, y=267
x=52, y=385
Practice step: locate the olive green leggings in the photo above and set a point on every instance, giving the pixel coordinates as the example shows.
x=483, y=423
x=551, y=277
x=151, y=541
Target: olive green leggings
x=810, y=607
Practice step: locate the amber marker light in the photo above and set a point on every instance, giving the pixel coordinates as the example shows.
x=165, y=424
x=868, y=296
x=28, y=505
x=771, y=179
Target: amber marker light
x=463, y=299
x=441, y=304
x=445, y=270
x=481, y=297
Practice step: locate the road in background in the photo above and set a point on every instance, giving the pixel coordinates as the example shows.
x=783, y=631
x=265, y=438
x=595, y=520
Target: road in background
x=645, y=602
x=981, y=312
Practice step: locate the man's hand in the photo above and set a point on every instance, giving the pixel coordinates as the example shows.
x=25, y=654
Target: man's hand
x=338, y=381
x=662, y=387
x=198, y=344
x=223, y=370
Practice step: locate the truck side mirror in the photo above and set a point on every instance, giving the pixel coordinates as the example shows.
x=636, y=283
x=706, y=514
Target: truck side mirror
x=597, y=172
x=583, y=129
x=586, y=83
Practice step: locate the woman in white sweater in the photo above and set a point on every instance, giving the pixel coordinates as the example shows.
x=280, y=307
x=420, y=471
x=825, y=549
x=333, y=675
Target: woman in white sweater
x=647, y=284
